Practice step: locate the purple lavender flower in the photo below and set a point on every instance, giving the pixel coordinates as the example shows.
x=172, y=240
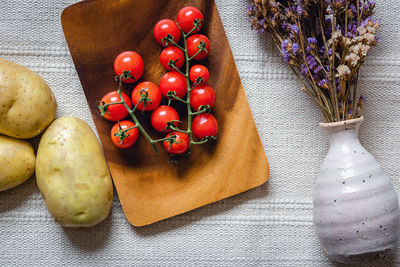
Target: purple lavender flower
x=299, y=8
x=304, y=70
x=322, y=50
x=312, y=63
x=350, y=111
x=285, y=20
x=361, y=101
x=317, y=69
x=294, y=29
x=311, y=43
x=368, y=20
x=251, y=9
x=295, y=48
x=323, y=83
x=285, y=51
x=369, y=5
x=353, y=8
x=311, y=40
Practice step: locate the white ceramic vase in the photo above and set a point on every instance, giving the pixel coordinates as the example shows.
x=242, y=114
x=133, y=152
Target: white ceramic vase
x=356, y=210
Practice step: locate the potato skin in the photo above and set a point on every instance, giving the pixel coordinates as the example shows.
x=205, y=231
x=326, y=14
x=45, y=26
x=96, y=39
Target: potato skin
x=27, y=105
x=72, y=174
x=17, y=162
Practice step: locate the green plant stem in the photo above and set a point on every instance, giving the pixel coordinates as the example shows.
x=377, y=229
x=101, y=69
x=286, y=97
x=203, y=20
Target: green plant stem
x=198, y=112
x=136, y=121
x=177, y=98
x=199, y=142
x=175, y=44
x=198, y=52
x=178, y=70
x=189, y=89
x=188, y=107
x=177, y=129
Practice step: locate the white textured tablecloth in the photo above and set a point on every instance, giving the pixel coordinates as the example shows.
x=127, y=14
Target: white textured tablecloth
x=269, y=226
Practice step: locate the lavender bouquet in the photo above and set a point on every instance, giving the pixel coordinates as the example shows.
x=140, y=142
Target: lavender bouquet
x=325, y=42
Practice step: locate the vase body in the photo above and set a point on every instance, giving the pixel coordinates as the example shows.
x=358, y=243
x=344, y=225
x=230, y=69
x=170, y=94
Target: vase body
x=356, y=210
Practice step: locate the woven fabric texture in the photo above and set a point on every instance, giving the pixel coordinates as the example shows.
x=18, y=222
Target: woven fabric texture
x=268, y=226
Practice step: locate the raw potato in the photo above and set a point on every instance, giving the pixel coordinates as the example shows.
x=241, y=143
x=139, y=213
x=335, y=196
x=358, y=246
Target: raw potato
x=72, y=174
x=27, y=105
x=17, y=162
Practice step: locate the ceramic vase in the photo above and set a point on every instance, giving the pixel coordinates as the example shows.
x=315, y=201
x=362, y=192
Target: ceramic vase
x=356, y=210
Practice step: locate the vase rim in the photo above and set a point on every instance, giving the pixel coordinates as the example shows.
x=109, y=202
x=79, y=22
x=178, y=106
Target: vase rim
x=341, y=123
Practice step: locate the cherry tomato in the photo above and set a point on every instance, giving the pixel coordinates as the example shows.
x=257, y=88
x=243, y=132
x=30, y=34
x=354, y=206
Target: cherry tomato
x=192, y=46
x=161, y=116
x=172, y=53
x=173, y=81
x=199, y=71
x=129, y=61
x=131, y=135
x=202, y=95
x=186, y=17
x=181, y=145
x=163, y=27
x=118, y=111
x=204, y=125
x=153, y=92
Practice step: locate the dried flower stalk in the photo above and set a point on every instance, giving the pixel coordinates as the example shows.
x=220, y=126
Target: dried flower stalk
x=325, y=42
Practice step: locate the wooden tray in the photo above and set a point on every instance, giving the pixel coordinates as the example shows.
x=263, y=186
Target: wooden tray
x=151, y=189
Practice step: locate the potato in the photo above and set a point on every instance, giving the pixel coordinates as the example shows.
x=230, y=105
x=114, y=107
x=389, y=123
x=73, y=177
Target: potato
x=17, y=162
x=72, y=174
x=27, y=105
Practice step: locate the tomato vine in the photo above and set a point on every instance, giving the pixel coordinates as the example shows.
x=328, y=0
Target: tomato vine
x=177, y=140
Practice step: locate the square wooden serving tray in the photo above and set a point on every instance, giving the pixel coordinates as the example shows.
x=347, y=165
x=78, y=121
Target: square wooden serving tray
x=149, y=187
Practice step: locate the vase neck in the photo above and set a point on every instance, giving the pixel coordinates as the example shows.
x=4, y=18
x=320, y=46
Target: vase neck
x=343, y=132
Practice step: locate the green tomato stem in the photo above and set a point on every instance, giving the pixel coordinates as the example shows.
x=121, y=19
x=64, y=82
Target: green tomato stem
x=178, y=70
x=198, y=52
x=200, y=142
x=177, y=98
x=199, y=112
x=175, y=44
x=172, y=127
x=188, y=107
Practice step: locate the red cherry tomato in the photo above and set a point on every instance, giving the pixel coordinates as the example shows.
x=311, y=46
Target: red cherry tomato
x=181, y=145
x=129, y=61
x=163, y=27
x=161, y=116
x=186, y=17
x=118, y=111
x=204, y=125
x=153, y=92
x=131, y=135
x=199, y=71
x=202, y=95
x=173, y=81
x=172, y=53
x=192, y=46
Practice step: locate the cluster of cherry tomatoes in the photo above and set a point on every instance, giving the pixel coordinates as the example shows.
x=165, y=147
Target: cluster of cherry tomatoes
x=189, y=87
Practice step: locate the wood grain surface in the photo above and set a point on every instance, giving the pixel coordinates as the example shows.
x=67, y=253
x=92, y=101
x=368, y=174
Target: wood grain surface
x=149, y=187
